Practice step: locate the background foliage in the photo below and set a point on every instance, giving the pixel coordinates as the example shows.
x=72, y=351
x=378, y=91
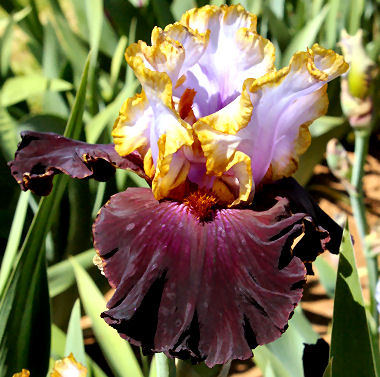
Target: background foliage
x=49, y=82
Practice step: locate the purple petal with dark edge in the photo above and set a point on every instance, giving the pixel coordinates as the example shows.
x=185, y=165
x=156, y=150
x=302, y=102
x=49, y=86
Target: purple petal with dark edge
x=321, y=231
x=207, y=290
x=40, y=156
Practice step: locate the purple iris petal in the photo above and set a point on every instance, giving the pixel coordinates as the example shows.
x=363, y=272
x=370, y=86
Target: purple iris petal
x=42, y=155
x=321, y=231
x=210, y=290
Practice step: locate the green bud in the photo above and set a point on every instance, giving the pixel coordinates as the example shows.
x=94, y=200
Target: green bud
x=338, y=161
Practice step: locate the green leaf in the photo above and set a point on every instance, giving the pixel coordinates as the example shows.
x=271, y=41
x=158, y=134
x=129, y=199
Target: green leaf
x=331, y=23
x=117, y=351
x=61, y=275
x=58, y=343
x=356, y=12
x=25, y=310
x=74, y=124
x=350, y=339
x=17, y=17
x=5, y=48
x=278, y=27
x=8, y=134
x=52, y=61
x=14, y=239
x=94, y=14
x=153, y=368
x=74, y=338
x=162, y=13
x=165, y=367
x=179, y=7
x=327, y=276
x=305, y=37
x=43, y=123
x=328, y=370
x=24, y=303
x=325, y=124
x=117, y=61
x=317, y=149
x=70, y=43
x=20, y=88
x=285, y=354
x=98, y=123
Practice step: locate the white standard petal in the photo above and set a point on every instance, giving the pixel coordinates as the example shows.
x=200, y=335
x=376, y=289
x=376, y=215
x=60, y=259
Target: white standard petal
x=234, y=53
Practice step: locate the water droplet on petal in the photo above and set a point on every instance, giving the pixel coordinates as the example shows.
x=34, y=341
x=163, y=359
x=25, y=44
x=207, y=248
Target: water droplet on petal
x=130, y=227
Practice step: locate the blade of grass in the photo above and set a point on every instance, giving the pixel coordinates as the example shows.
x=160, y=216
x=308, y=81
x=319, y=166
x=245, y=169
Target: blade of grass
x=305, y=37
x=94, y=14
x=71, y=45
x=8, y=134
x=58, y=343
x=165, y=367
x=117, y=351
x=350, y=339
x=74, y=337
x=117, y=61
x=20, y=88
x=5, y=48
x=331, y=23
x=356, y=12
x=285, y=354
x=14, y=239
x=162, y=13
x=24, y=303
x=61, y=275
x=98, y=123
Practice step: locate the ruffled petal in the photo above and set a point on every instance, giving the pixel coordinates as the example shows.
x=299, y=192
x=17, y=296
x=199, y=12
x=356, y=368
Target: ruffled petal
x=284, y=105
x=234, y=53
x=321, y=232
x=68, y=367
x=131, y=130
x=42, y=155
x=210, y=290
x=23, y=373
x=164, y=132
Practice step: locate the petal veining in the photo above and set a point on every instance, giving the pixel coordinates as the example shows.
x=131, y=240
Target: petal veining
x=234, y=53
x=208, y=290
x=41, y=155
x=284, y=105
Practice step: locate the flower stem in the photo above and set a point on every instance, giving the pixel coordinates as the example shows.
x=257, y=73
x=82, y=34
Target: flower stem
x=362, y=136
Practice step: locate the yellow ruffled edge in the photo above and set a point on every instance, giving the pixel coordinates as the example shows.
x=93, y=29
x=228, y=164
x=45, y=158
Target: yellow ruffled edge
x=209, y=127
x=206, y=12
x=241, y=166
x=62, y=366
x=333, y=66
x=124, y=143
x=164, y=179
x=23, y=373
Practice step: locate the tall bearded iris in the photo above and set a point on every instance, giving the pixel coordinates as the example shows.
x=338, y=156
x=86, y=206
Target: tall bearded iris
x=205, y=263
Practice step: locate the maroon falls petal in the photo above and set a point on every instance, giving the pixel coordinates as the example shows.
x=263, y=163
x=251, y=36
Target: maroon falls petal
x=42, y=155
x=321, y=232
x=209, y=290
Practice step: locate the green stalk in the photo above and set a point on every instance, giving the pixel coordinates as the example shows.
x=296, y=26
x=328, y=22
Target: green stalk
x=362, y=136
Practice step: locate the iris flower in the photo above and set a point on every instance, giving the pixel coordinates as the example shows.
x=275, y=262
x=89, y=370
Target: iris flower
x=210, y=261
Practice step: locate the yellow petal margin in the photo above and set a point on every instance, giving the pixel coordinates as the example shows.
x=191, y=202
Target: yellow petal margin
x=158, y=136
x=320, y=65
x=68, y=367
x=236, y=128
x=23, y=373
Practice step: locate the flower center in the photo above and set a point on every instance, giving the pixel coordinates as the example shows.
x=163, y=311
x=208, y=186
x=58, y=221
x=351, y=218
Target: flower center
x=200, y=203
